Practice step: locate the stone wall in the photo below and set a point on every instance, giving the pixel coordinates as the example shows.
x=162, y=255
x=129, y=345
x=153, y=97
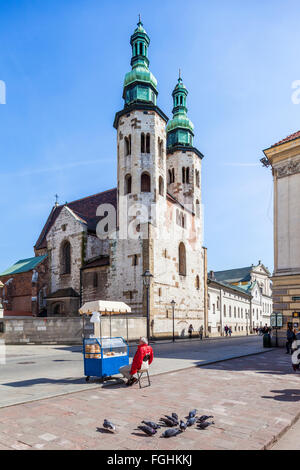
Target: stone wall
x=23, y=330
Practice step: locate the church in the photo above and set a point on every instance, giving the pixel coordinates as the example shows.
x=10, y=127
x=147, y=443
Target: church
x=99, y=247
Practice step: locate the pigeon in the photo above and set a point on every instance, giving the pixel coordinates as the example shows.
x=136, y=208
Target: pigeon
x=192, y=413
x=191, y=421
x=171, y=432
x=168, y=422
x=205, y=424
x=109, y=426
x=175, y=416
x=203, y=418
x=151, y=424
x=171, y=418
x=182, y=425
x=147, y=430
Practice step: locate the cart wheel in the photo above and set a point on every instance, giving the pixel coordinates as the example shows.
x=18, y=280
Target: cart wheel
x=87, y=378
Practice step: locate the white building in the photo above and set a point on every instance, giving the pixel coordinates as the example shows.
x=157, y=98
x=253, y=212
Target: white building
x=240, y=298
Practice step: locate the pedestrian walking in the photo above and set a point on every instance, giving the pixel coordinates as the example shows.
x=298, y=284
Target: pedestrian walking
x=226, y=330
x=201, y=332
x=290, y=336
x=230, y=331
x=190, y=330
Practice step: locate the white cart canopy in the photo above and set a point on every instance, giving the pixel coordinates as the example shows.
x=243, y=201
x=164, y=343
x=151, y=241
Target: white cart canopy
x=104, y=306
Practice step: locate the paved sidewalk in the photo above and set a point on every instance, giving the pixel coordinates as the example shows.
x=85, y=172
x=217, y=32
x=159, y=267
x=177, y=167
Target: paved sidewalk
x=35, y=372
x=253, y=400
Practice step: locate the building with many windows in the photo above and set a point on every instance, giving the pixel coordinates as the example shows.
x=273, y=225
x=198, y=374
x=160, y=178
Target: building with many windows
x=239, y=298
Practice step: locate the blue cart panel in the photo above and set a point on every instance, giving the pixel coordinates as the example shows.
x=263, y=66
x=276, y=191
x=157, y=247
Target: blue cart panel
x=104, y=357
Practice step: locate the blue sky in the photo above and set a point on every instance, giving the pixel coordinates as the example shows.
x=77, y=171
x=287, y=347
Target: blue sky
x=63, y=62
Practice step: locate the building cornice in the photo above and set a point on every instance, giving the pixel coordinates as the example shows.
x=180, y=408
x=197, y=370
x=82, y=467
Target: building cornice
x=184, y=149
x=139, y=107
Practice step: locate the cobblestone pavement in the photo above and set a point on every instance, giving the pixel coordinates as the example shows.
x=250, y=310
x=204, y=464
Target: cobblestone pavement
x=33, y=372
x=253, y=400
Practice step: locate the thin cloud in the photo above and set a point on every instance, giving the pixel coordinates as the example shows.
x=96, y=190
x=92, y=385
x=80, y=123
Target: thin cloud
x=241, y=164
x=67, y=166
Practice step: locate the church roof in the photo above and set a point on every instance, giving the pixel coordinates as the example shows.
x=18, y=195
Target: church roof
x=290, y=137
x=234, y=275
x=85, y=208
x=24, y=265
x=239, y=289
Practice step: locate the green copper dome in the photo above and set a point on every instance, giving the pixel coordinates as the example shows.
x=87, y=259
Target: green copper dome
x=182, y=121
x=141, y=74
x=140, y=85
x=180, y=129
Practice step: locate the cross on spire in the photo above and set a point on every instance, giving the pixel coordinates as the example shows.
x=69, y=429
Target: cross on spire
x=56, y=200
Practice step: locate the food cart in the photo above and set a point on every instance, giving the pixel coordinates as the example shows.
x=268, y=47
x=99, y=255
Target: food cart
x=103, y=356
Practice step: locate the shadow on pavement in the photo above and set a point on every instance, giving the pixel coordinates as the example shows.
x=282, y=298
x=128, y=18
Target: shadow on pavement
x=285, y=395
x=44, y=380
x=274, y=362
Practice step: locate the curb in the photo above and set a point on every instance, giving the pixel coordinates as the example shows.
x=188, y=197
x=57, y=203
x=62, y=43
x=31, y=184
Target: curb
x=96, y=385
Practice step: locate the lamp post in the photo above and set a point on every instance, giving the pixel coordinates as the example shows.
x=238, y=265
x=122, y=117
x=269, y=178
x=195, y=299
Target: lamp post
x=147, y=276
x=173, y=303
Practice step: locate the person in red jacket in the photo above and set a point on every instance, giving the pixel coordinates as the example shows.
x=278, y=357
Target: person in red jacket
x=144, y=353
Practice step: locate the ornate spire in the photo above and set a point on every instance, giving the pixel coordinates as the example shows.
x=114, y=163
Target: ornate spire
x=139, y=84
x=180, y=130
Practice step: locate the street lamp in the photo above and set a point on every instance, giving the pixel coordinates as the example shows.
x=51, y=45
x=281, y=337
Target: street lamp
x=173, y=303
x=147, y=276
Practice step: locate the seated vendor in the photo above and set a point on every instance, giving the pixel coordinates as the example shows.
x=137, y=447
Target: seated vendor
x=144, y=353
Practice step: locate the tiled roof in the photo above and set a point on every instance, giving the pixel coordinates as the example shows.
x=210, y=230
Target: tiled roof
x=96, y=262
x=24, y=265
x=234, y=275
x=62, y=293
x=226, y=285
x=85, y=208
x=294, y=136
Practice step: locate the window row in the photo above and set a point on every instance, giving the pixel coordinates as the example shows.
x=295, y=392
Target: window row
x=145, y=144
x=145, y=184
x=185, y=176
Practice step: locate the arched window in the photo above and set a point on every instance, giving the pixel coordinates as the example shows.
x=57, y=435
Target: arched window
x=208, y=301
x=95, y=280
x=230, y=310
x=141, y=48
x=170, y=176
x=197, y=179
x=183, y=174
x=161, y=186
x=127, y=141
x=224, y=310
x=142, y=142
x=148, y=143
x=197, y=208
x=145, y=183
x=197, y=282
x=160, y=147
x=128, y=184
x=182, y=220
x=234, y=312
x=187, y=175
x=173, y=175
x=66, y=258
x=182, y=259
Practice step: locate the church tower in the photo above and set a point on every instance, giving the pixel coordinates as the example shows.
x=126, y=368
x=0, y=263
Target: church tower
x=141, y=138
x=183, y=159
x=141, y=150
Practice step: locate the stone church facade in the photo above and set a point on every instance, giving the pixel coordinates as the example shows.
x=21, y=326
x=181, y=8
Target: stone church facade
x=99, y=247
